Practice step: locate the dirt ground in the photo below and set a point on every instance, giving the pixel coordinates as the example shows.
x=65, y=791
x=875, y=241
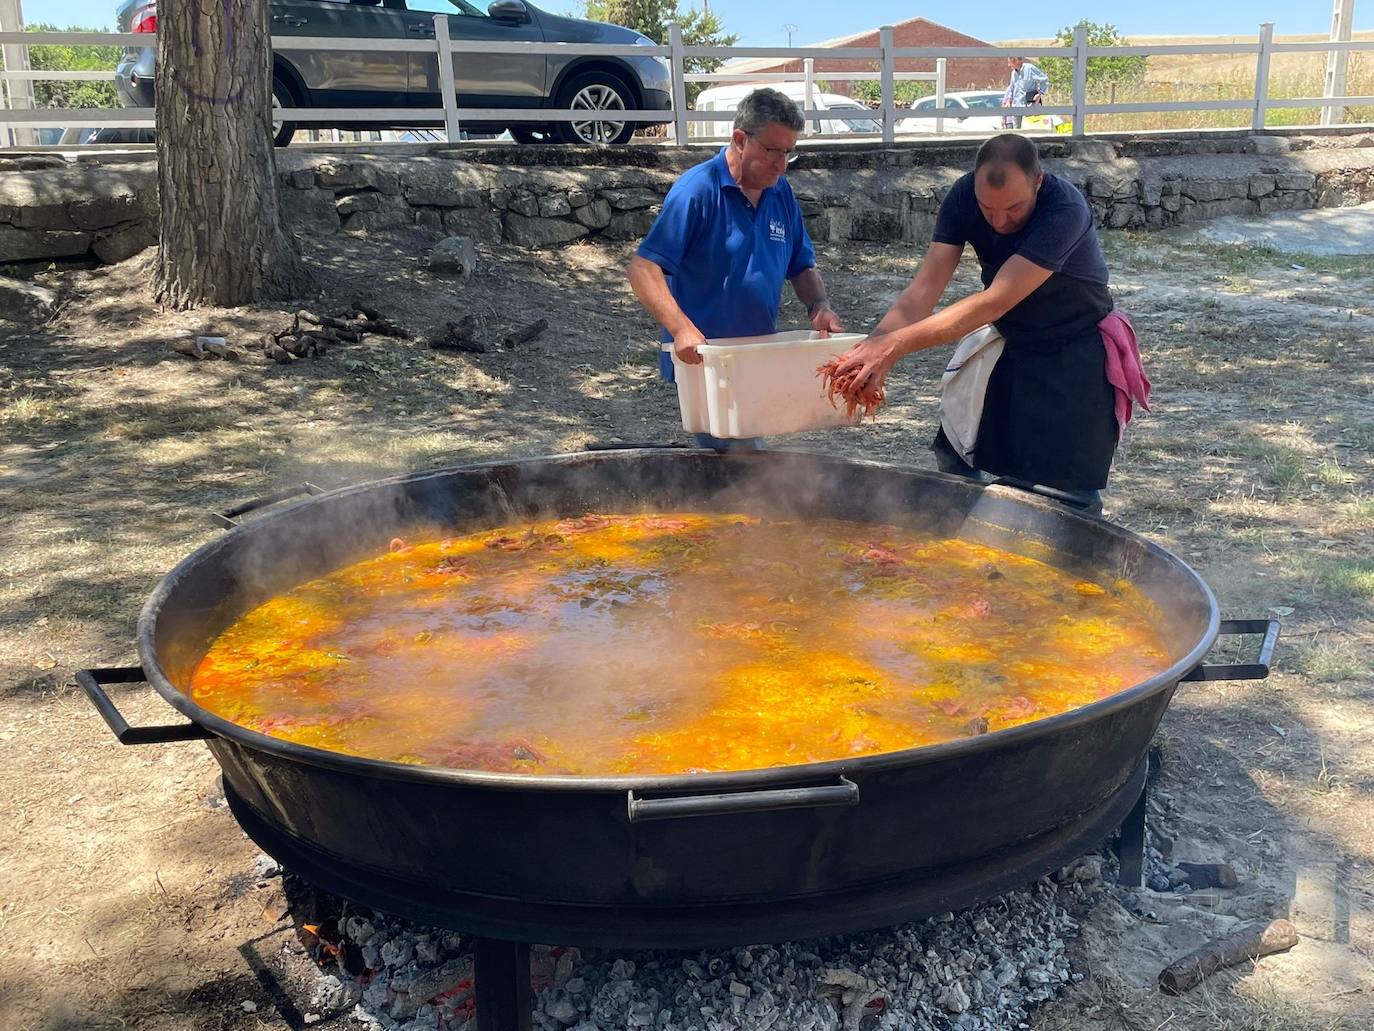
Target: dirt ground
x=127, y=893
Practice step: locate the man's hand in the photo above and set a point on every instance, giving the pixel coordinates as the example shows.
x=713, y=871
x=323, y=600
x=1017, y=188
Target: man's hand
x=874, y=356
x=685, y=343
x=824, y=319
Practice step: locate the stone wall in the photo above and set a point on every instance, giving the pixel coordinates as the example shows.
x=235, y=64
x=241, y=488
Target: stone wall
x=51, y=210
x=543, y=196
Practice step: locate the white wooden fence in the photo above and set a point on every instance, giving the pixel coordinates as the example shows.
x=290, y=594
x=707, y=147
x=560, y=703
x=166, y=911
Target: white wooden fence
x=884, y=56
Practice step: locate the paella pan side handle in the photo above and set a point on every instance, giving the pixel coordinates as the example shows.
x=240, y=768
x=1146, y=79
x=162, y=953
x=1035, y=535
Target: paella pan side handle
x=1257, y=670
x=229, y=518
x=92, y=681
x=641, y=810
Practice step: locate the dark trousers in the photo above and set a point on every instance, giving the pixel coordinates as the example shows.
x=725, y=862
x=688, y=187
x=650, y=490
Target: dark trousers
x=950, y=461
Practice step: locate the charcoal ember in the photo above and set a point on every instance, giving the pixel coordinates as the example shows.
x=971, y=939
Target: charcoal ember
x=397, y=952
x=1087, y=869
x=415, y=990
x=427, y=951
x=980, y=969
x=954, y=999
x=562, y=1009
x=329, y=993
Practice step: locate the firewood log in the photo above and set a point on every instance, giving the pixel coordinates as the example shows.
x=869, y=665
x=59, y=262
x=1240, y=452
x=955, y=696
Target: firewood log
x=1250, y=942
x=525, y=333
x=458, y=336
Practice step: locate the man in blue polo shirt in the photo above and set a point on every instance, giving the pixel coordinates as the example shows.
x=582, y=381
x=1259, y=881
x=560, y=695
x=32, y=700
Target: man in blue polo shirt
x=713, y=263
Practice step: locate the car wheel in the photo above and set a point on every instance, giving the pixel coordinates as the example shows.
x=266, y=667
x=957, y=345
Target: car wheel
x=282, y=97
x=600, y=93
x=524, y=134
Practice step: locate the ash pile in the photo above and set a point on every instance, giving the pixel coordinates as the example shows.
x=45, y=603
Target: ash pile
x=981, y=969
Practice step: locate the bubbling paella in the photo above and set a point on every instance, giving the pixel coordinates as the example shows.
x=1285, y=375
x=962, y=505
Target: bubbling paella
x=673, y=643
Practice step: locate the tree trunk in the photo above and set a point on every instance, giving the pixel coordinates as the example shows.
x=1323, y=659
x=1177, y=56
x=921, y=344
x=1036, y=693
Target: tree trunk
x=222, y=241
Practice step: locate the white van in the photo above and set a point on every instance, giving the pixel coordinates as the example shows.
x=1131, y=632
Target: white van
x=845, y=114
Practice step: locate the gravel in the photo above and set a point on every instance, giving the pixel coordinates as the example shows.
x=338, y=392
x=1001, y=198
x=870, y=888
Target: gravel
x=980, y=969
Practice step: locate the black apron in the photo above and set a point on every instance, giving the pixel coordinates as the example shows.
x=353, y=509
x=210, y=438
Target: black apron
x=1050, y=415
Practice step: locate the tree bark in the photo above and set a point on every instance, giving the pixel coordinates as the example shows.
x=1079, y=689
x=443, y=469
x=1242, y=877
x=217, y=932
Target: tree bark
x=1248, y=943
x=221, y=235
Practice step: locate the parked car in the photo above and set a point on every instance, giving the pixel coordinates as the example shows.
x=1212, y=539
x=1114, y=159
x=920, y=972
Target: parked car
x=984, y=115
x=845, y=114
x=362, y=78
x=983, y=109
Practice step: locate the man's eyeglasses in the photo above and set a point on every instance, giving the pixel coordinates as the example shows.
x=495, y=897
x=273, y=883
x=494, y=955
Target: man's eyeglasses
x=790, y=156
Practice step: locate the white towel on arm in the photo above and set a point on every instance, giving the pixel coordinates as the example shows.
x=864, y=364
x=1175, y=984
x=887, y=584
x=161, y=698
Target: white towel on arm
x=964, y=386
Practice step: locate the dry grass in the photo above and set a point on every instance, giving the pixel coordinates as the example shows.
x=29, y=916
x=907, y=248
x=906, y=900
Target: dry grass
x=1330, y=661
x=29, y=409
x=1360, y=512
x=1223, y=1003
x=1175, y=85
x=1257, y=1008
x=1185, y=77
x=1342, y=580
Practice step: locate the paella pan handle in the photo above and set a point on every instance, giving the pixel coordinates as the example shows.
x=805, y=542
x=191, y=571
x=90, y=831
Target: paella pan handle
x=229, y=518
x=846, y=792
x=1257, y=670
x=92, y=681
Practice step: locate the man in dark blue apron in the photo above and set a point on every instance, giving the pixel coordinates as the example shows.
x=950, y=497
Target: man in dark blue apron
x=730, y=233
x=1048, y=420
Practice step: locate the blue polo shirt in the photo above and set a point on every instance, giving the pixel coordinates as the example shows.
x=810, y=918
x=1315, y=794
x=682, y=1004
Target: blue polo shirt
x=726, y=260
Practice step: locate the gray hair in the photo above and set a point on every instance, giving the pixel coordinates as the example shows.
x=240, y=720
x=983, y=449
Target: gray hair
x=765, y=107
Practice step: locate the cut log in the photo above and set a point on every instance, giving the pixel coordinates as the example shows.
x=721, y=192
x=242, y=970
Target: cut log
x=277, y=353
x=1249, y=943
x=459, y=336
x=1210, y=875
x=371, y=314
x=525, y=333
x=190, y=348
x=379, y=326
x=346, y=329
x=316, y=344
x=217, y=346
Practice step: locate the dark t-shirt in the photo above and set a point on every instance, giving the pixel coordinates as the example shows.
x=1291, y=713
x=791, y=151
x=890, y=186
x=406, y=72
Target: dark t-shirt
x=1058, y=237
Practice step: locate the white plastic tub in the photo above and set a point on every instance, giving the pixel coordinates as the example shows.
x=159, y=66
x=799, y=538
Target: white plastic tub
x=761, y=386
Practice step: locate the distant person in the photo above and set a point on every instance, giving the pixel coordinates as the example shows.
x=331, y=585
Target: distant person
x=1028, y=84
x=714, y=261
x=1045, y=412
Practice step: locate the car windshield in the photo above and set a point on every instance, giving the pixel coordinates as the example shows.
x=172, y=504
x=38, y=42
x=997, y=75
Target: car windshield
x=859, y=124
x=445, y=7
x=985, y=100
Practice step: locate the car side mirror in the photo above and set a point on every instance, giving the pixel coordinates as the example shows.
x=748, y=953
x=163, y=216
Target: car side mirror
x=508, y=10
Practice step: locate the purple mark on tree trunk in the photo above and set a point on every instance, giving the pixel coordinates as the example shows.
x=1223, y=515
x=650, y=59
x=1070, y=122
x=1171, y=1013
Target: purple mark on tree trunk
x=198, y=51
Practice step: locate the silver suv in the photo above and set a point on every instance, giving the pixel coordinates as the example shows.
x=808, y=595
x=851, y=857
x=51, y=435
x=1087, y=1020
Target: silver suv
x=600, y=85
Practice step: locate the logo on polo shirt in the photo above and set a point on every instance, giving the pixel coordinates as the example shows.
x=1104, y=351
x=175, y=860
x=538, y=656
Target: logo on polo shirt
x=777, y=230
